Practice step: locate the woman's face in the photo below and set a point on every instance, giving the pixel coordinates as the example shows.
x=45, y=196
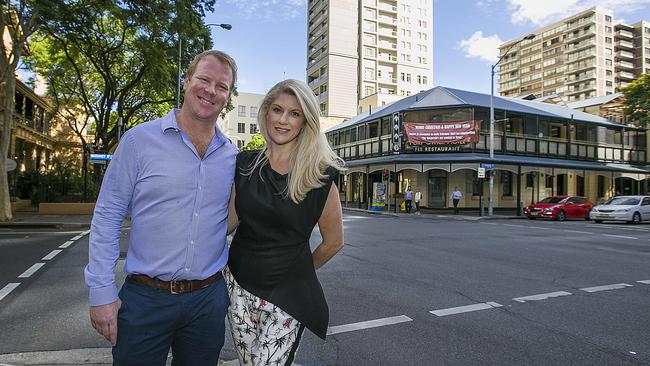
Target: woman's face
x=284, y=120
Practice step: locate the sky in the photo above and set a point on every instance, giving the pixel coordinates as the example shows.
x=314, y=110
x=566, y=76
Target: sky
x=268, y=37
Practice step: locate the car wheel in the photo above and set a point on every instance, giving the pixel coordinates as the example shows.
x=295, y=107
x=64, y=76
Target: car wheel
x=636, y=218
x=598, y=221
x=561, y=216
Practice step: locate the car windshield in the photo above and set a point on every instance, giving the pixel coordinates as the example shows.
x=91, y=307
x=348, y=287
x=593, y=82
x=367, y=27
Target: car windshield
x=552, y=200
x=632, y=201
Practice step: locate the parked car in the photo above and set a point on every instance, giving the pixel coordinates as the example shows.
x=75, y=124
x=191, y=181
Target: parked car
x=560, y=208
x=632, y=209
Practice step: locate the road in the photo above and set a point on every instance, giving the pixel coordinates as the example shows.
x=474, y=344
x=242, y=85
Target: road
x=416, y=290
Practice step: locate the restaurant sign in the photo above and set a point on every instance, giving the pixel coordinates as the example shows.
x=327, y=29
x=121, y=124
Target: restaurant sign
x=440, y=136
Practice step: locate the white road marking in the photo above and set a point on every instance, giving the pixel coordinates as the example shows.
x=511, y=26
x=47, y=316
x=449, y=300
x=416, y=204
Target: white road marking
x=66, y=244
x=578, y=232
x=7, y=289
x=514, y=225
x=489, y=223
x=348, y=217
x=465, y=309
x=52, y=254
x=31, y=270
x=36, y=233
x=615, y=286
x=645, y=282
x=368, y=324
x=537, y=227
x=620, y=236
x=86, y=232
x=77, y=237
x=542, y=296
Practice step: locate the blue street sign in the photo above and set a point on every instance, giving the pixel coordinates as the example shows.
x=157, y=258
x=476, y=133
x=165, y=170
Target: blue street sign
x=488, y=166
x=101, y=157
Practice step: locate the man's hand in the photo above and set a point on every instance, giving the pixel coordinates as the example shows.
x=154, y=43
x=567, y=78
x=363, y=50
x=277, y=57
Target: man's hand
x=104, y=320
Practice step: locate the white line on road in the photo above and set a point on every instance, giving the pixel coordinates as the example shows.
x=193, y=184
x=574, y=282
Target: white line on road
x=35, y=233
x=77, y=237
x=645, y=282
x=489, y=223
x=538, y=227
x=615, y=286
x=514, y=225
x=368, y=324
x=51, y=255
x=578, y=232
x=542, y=296
x=7, y=289
x=620, y=236
x=66, y=244
x=465, y=309
x=31, y=270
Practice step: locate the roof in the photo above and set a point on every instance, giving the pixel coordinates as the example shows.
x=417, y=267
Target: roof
x=594, y=101
x=441, y=97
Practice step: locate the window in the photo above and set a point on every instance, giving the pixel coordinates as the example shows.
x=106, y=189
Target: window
x=530, y=180
x=506, y=183
x=608, y=40
x=609, y=72
x=608, y=29
x=253, y=112
x=549, y=181
x=608, y=18
x=608, y=51
x=252, y=128
x=608, y=62
x=609, y=83
x=241, y=128
x=241, y=111
x=424, y=79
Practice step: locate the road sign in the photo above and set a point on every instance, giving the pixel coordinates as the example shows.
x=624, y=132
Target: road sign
x=488, y=166
x=99, y=158
x=481, y=172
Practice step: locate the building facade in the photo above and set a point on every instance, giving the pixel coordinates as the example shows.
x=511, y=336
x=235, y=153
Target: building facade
x=240, y=124
x=366, y=53
x=438, y=139
x=584, y=56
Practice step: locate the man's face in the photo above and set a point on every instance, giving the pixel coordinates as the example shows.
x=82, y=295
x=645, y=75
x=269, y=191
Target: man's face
x=207, y=90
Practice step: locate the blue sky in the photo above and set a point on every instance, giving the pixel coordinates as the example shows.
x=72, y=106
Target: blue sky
x=268, y=36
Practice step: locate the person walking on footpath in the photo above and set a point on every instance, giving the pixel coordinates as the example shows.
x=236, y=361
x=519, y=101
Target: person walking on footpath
x=455, y=198
x=281, y=192
x=417, y=198
x=408, y=197
x=175, y=175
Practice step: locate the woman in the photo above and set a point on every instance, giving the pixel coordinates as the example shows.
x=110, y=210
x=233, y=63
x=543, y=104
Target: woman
x=279, y=195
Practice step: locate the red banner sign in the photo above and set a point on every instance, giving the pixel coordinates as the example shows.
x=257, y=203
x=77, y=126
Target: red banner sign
x=436, y=133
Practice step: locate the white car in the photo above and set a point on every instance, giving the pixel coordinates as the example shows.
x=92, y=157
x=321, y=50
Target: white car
x=632, y=209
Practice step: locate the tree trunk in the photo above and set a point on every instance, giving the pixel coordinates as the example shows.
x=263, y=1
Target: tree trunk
x=7, y=99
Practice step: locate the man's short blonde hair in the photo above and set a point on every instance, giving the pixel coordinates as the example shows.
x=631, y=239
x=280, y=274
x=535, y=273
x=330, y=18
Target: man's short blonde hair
x=219, y=55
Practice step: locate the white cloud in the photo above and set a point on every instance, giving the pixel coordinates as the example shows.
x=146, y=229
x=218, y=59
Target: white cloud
x=548, y=11
x=479, y=46
x=270, y=9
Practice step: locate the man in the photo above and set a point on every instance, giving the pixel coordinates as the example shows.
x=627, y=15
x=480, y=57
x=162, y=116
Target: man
x=455, y=197
x=174, y=174
x=408, y=197
x=418, y=198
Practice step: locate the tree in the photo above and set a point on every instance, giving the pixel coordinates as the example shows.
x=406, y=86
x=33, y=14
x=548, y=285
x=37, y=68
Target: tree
x=637, y=100
x=256, y=142
x=17, y=23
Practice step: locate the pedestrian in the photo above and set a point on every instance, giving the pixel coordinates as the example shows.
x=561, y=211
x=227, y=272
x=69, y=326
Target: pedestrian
x=417, y=199
x=408, y=197
x=174, y=175
x=281, y=192
x=455, y=198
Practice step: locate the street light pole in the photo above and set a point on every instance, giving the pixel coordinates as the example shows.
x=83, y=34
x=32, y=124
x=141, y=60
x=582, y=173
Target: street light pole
x=180, y=60
x=492, y=72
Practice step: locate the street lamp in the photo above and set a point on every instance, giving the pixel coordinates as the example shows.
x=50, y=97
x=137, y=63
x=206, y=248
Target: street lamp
x=180, y=53
x=491, y=186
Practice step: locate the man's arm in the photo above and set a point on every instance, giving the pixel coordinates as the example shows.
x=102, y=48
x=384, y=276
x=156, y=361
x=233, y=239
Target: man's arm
x=233, y=219
x=104, y=243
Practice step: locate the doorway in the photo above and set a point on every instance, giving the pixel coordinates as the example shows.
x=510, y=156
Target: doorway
x=437, y=189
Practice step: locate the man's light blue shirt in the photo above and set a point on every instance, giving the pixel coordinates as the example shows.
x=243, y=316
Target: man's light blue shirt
x=178, y=204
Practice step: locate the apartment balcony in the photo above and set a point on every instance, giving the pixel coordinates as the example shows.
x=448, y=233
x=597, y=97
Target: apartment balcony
x=625, y=75
x=391, y=33
x=318, y=33
x=317, y=22
x=317, y=46
x=387, y=57
x=318, y=80
x=579, y=46
x=580, y=66
x=621, y=33
x=625, y=55
x=581, y=77
x=573, y=57
x=581, y=23
x=318, y=6
x=387, y=20
x=580, y=88
x=313, y=60
x=389, y=8
x=580, y=35
x=625, y=65
x=622, y=84
x=624, y=44
x=387, y=45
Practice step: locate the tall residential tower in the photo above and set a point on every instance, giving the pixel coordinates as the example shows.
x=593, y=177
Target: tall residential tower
x=363, y=53
x=583, y=56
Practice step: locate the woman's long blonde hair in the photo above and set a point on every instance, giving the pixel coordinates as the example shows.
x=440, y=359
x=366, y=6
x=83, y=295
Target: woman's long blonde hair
x=312, y=154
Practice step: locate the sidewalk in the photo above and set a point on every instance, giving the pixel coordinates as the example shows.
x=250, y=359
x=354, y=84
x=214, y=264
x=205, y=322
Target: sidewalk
x=464, y=214
x=34, y=220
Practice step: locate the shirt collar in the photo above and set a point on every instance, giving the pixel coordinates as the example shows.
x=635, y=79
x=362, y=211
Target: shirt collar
x=168, y=122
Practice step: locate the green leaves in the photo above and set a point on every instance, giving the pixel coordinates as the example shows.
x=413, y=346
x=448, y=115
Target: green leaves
x=637, y=100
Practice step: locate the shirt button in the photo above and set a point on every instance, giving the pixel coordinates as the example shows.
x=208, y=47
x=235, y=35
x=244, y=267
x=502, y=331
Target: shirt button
x=196, y=214
x=200, y=188
x=192, y=242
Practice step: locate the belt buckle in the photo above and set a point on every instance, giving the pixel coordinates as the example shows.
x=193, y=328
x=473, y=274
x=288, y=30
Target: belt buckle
x=177, y=287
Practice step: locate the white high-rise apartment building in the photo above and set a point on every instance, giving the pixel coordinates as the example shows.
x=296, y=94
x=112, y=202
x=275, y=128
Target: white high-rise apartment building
x=363, y=53
x=241, y=123
x=580, y=57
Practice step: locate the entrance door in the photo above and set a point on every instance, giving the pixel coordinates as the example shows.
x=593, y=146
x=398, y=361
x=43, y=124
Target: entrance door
x=437, y=189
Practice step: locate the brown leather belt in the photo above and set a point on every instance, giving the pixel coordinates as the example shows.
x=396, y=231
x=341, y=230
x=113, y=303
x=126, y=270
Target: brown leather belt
x=175, y=286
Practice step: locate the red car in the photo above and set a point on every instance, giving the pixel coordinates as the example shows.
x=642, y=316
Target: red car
x=560, y=208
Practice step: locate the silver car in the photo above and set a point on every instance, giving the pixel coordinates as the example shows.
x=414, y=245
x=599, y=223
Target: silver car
x=632, y=209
